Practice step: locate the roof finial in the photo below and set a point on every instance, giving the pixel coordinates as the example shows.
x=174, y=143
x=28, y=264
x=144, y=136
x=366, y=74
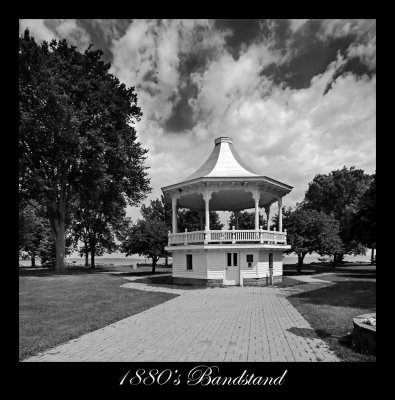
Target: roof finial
x=223, y=139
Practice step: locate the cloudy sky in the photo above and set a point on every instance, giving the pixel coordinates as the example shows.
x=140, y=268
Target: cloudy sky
x=297, y=96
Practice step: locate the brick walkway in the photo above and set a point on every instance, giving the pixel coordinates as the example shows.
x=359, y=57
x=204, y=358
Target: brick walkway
x=216, y=324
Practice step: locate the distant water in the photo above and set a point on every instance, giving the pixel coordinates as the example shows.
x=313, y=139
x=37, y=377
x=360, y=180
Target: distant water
x=288, y=259
x=99, y=260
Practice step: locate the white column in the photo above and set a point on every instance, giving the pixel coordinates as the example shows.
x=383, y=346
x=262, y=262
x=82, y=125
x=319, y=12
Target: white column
x=174, y=198
x=207, y=197
x=267, y=210
x=256, y=195
x=280, y=214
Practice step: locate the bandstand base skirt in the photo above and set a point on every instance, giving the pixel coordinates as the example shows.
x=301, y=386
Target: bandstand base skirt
x=227, y=265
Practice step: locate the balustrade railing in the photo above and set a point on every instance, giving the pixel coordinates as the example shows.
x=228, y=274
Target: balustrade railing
x=228, y=236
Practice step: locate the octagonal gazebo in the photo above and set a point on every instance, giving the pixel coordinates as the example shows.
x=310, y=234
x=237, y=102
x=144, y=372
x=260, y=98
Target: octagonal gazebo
x=227, y=257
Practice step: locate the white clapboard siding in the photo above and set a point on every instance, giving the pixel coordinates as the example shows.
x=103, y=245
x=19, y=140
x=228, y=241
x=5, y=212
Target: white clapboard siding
x=215, y=264
x=199, y=265
x=245, y=271
x=263, y=263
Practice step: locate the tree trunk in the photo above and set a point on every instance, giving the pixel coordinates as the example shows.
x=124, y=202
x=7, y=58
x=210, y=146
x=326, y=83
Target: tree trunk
x=92, y=259
x=60, y=243
x=337, y=259
x=33, y=259
x=154, y=260
x=57, y=213
x=372, y=257
x=300, y=262
x=86, y=258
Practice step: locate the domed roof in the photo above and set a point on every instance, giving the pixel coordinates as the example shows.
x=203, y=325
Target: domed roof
x=223, y=162
x=230, y=180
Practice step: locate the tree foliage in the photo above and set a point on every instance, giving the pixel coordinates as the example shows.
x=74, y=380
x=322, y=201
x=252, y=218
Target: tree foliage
x=286, y=213
x=76, y=129
x=33, y=227
x=190, y=220
x=338, y=193
x=159, y=210
x=312, y=231
x=363, y=222
x=146, y=238
x=246, y=220
x=98, y=219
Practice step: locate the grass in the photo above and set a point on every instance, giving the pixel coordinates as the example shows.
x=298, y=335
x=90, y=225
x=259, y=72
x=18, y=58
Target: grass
x=319, y=268
x=166, y=282
x=55, y=308
x=330, y=309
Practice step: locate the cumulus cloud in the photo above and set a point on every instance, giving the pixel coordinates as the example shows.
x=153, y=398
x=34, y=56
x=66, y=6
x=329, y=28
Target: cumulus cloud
x=289, y=132
x=344, y=27
x=285, y=133
x=37, y=29
x=70, y=30
x=48, y=29
x=364, y=31
x=296, y=24
x=366, y=52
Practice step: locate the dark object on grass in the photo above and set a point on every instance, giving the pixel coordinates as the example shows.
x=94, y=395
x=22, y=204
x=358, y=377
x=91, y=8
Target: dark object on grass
x=364, y=335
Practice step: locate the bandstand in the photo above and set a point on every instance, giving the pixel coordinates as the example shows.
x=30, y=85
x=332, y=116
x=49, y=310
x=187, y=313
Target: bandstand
x=227, y=257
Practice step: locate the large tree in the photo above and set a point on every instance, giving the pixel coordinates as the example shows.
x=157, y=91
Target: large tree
x=311, y=231
x=76, y=125
x=146, y=238
x=338, y=193
x=363, y=222
x=159, y=210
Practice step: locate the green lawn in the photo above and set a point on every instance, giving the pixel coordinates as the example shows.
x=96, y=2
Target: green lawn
x=330, y=309
x=56, y=308
x=166, y=281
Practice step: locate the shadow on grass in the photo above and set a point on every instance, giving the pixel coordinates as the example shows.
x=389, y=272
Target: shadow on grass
x=167, y=282
x=141, y=273
x=288, y=282
x=361, y=294
x=359, y=276
x=291, y=272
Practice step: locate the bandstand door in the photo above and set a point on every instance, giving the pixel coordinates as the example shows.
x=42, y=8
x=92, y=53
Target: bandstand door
x=232, y=271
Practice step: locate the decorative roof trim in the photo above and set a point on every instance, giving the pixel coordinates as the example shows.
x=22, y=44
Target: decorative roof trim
x=258, y=179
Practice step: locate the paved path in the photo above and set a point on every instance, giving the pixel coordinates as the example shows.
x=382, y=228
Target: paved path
x=214, y=324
